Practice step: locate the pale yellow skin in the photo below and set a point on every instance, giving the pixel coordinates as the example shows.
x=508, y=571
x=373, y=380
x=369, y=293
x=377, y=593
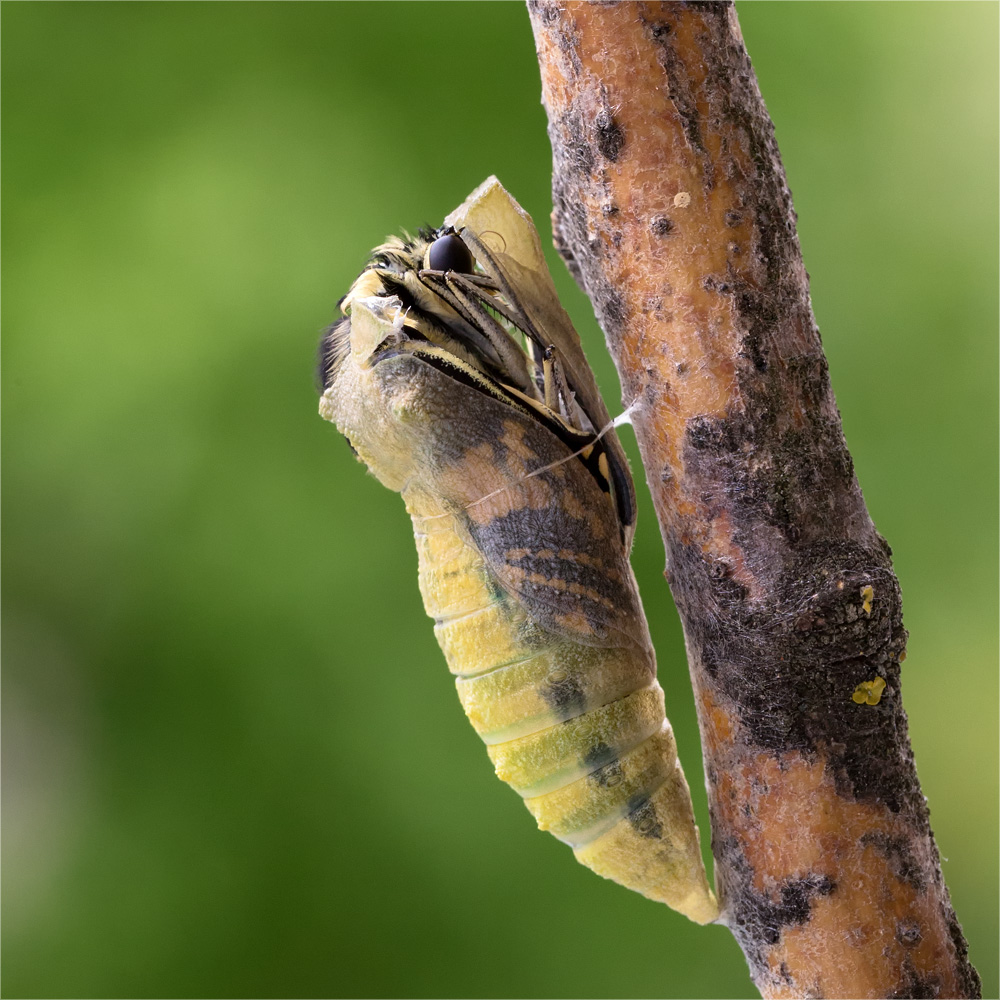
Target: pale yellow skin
x=524, y=568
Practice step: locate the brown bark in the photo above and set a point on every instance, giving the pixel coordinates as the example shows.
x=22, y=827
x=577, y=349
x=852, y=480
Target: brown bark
x=672, y=211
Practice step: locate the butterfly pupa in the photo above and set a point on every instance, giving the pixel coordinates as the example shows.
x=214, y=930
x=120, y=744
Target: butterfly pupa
x=458, y=379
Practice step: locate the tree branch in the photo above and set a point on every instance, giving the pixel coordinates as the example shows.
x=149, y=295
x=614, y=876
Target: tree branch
x=672, y=211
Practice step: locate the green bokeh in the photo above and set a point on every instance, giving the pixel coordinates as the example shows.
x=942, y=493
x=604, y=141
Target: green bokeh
x=234, y=764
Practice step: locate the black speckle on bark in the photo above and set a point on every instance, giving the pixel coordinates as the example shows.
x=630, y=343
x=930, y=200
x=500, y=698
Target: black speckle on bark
x=612, y=312
x=896, y=850
x=913, y=986
x=544, y=10
x=680, y=88
x=610, y=137
x=708, y=6
x=970, y=984
x=569, y=229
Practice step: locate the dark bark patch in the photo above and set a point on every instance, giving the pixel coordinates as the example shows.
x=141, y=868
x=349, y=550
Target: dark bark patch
x=609, y=135
x=758, y=317
x=914, y=986
x=680, y=89
x=897, y=851
x=708, y=6
x=707, y=433
x=577, y=151
x=969, y=983
x=758, y=919
x=820, y=643
x=713, y=284
x=662, y=226
x=613, y=313
x=583, y=157
x=546, y=11
x=798, y=696
x=570, y=224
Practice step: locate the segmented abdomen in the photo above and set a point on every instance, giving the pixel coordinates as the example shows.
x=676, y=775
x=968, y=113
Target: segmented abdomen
x=577, y=729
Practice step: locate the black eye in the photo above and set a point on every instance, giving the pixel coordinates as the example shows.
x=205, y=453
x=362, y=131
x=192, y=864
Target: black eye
x=449, y=253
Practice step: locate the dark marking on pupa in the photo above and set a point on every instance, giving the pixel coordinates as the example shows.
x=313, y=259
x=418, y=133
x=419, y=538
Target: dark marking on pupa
x=564, y=695
x=642, y=818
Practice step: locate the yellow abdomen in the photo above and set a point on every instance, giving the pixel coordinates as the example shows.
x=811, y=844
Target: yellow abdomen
x=578, y=730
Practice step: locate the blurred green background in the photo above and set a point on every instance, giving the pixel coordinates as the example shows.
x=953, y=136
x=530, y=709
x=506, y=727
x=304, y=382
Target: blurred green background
x=234, y=762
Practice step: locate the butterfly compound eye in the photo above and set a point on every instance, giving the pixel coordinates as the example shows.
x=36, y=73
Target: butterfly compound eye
x=449, y=253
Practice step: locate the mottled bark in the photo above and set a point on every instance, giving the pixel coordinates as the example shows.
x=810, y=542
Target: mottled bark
x=672, y=211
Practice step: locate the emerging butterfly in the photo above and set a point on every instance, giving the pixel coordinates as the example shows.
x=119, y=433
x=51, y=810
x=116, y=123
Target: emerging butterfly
x=460, y=382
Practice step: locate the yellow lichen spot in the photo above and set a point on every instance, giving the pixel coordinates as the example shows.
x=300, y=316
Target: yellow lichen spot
x=902, y=656
x=867, y=595
x=682, y=199
x=869, y=692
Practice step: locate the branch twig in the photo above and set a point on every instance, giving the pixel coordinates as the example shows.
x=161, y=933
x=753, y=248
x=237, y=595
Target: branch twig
x=672, y=211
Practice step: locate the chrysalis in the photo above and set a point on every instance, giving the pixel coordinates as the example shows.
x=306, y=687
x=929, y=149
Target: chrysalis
x=459, y=381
